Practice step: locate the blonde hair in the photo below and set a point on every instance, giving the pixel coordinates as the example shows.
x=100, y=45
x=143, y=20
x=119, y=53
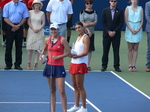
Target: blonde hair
x=41, y=5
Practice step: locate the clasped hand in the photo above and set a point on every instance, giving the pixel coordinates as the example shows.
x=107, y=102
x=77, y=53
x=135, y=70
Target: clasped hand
x=15, y=28
x=111, y=33
x=134, y=31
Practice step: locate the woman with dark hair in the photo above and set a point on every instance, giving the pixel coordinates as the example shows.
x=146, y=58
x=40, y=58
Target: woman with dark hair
x=89, y=19
x=78, y=68
x=133, y=33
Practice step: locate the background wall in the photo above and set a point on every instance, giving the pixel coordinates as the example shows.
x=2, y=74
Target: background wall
x=98, y=6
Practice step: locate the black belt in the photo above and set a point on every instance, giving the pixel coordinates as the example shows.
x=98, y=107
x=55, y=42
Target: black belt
x=61, y=24
x=15, y=23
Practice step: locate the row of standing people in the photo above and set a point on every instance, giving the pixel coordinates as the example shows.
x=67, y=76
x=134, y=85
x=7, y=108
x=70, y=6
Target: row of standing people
x=36, y=42
x=133, y=18
x=89, y=18
x=112, y=21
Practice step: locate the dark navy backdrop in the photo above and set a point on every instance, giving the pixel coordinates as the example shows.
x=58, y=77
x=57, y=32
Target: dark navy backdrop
x=98, y=6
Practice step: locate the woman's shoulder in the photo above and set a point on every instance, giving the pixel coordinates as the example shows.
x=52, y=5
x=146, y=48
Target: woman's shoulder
x=139, y=7
x=41, y=12
x=85, y=36
x=30, y=11
x=47, y=38
x=128, y=7
x=82, y=11
x=62, y=38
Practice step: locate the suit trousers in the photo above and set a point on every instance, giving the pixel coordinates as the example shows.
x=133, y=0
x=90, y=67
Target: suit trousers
x=107, y=41
x=11, y=36
x=148, y=50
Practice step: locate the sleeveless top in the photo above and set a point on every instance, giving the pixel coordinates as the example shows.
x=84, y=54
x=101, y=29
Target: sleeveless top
x=35, y=40
x=54, y=50
x=134, y=16
x=79, y=48
x=134, y=19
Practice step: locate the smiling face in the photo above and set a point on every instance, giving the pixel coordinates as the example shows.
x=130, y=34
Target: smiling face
x=36, y=5
x=79, y=29
x=54, y=31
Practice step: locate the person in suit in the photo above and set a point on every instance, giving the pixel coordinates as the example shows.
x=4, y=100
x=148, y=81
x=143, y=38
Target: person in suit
x=112, y=21
x=147, y=29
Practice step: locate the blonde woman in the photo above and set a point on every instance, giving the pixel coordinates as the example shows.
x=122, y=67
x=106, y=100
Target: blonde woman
x=133, y=33
x=35, y=36
x=57, y=49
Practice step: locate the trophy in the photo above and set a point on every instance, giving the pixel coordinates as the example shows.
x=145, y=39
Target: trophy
x=73, y=52
x=44, y=59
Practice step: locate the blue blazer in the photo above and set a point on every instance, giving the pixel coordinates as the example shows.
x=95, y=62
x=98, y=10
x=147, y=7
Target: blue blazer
x=147, y=16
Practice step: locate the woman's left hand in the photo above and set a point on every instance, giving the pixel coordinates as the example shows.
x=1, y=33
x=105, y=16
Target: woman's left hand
x=135, y=31
x=55, y=57
x=72, y=56
x=90, y=34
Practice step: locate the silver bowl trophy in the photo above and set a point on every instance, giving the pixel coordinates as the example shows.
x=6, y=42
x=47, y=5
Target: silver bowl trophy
x=44, y=59
x=73, y=52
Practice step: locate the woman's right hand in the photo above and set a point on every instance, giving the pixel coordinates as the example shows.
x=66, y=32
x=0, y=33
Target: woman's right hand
x=134, y=31
x=40, y=58
x=36, y=30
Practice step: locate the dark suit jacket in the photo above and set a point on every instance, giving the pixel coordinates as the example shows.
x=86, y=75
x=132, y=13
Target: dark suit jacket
x=112, y=25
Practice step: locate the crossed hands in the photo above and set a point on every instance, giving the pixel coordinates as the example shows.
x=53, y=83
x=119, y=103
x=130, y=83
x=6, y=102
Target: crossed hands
x=36, y=30
x=134, y=31
x=111, y=33
x=15, y=28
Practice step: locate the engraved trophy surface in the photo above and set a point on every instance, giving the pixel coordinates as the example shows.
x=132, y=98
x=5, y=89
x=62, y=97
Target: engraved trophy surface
x=44, y=59
x=73, y=52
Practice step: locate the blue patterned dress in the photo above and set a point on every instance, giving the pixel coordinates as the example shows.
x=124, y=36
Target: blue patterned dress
x=134, y=19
